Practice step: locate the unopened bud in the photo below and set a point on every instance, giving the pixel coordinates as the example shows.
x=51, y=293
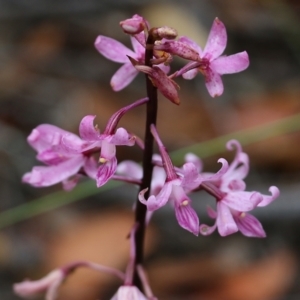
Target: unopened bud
x=164, y=32
x=134, y=25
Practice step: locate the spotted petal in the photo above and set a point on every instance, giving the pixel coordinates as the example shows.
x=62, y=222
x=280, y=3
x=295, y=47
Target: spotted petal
x=216, y=41
x=214, y=83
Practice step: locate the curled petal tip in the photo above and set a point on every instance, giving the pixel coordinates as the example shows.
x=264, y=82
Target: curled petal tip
x=142, y=196
x=231, y=144
x=206, y=230
x=274, y=191
x=224, y=163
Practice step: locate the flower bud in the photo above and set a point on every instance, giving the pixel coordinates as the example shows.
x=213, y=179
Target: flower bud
x=159, y=79
x=164, y=32
x=134, y=25
x=128, y=293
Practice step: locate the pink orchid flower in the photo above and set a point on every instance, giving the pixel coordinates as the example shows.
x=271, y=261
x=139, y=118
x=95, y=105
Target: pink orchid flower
x=48, y=285
x=212, y=65
x=178, y=183
x=62, y=165
x=233, y=202
x=126, y=292
x=117, y=52
x=106, y=141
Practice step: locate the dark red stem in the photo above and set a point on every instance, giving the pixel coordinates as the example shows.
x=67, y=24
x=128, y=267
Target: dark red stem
x=140, y=212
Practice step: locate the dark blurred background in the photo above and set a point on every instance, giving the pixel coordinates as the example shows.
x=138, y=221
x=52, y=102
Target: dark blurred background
x=50, y=72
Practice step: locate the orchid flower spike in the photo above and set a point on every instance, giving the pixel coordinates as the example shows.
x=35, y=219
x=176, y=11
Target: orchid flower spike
x=212, y=65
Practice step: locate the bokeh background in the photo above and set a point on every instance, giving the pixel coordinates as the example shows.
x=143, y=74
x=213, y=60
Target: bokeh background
x=50, y=72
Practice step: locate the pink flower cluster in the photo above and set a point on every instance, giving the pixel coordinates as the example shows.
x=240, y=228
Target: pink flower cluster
x=68, y=156
x=227, y=186
x=209, y=62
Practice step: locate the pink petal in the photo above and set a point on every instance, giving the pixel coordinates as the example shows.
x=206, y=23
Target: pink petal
x=216, y=41
x=249, y=226
x=138, y=48
x=234, y=144
x=190, y=74
x=131, y=169
x=225, y=222
x=123, y=76
x=268, y=199
x=51, y=157
x=242, y=201
x=90, y=167
x=191, y=43
x=112, y=49
x=158, y=180
x=72, y=145
x=70, y=183
x=240, y=158
x=191, y=179
x=108, y=151
x=106, y=171
x=212, y=214
x=207, y=230
x=217, y=176
x=154, y=203
x=141, y=39
x=242, y=171
x=164, y=68
x=213, y=83
x=231, y=64
x=187, y=218
x=45, y=136
x=233, y=179
x=46, y=176
x=87, y=130
x=233, y=185
x=190, y=157
x=122, y=137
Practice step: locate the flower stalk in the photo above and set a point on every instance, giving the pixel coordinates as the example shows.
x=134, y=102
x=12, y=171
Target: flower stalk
x=151, y=115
